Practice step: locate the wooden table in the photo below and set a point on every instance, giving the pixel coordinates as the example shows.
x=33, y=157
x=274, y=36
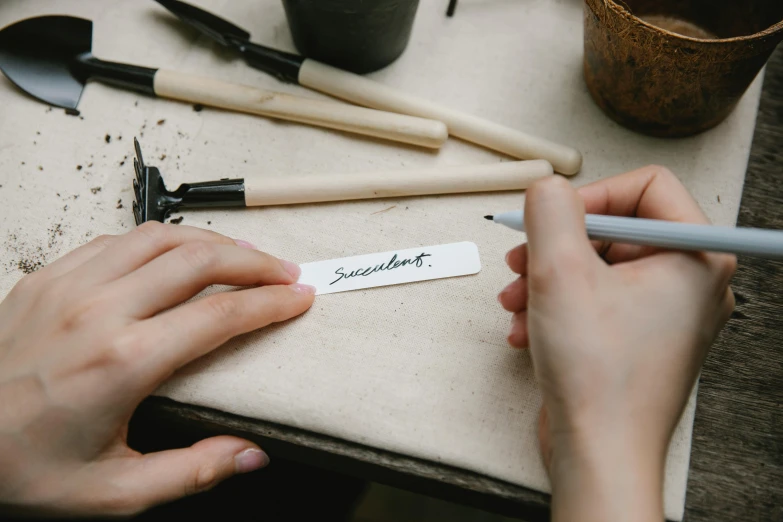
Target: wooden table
x=737, y=459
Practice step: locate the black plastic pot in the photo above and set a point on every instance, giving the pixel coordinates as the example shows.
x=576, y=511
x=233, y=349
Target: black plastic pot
x=356, y=35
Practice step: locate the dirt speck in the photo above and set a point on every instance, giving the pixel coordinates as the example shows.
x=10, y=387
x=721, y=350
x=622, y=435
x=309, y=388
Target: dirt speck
x=718, y=198
x=119, y=203
x=28, y=258
x=79, y=167
x=209, y=222
x=177, y=221
x=95, y=190
x=73, y=112
x=40, y=167
x=107, y=138
x=162, y=157
x=28, y=266
x=161, y=122
x=55, y=231
x=198, y=107
x=136, y=103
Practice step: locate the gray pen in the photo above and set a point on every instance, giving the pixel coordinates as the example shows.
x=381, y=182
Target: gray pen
x=667, y=234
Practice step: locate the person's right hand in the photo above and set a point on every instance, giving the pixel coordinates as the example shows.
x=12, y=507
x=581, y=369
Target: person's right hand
x=617, y=333
x=86, y=338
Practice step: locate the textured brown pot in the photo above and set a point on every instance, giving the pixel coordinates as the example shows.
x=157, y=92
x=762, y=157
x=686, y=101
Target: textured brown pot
x=658, y=82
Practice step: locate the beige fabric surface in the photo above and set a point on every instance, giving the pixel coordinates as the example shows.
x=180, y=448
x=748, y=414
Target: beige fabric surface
x=420, y=369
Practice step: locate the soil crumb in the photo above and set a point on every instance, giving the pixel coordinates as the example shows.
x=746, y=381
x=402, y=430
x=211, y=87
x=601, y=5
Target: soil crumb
x=28, y=266
x=177, y=221
x=107, y=138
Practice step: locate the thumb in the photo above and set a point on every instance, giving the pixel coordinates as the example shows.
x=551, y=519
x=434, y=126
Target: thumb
x=155, y=478
x=555, y=225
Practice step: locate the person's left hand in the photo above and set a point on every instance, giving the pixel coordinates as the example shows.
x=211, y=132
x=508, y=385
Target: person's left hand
x=86, y=338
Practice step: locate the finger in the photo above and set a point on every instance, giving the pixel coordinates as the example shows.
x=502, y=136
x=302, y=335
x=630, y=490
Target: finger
x=181, y=273
x=651, y=192
x=516, y=259
x=519, y=336
x=614, y=253
x=513, y=298
x=141, y=246
x=557, y=241
x=170, y=340
x=618, y=252
x=24, y=295
x=134, y=484
x=76, y=257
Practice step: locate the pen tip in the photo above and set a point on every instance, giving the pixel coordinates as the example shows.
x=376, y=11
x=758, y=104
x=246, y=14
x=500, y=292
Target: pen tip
x=491, y=218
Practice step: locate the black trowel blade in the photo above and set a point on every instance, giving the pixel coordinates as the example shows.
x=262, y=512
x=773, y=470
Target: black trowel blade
x=37, y=54
x=213, y=26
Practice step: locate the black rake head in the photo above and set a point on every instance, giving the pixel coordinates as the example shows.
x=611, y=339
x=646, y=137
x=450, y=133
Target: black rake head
x=153, y=201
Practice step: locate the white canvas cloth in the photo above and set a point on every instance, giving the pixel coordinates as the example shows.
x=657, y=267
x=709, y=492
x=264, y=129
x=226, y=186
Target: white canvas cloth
x=420, y=369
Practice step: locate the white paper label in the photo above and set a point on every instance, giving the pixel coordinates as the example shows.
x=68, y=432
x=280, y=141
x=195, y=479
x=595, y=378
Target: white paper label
x=391, y=268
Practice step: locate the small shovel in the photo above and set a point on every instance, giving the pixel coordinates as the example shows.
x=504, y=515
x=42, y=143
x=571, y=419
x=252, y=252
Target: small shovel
x=50, y=58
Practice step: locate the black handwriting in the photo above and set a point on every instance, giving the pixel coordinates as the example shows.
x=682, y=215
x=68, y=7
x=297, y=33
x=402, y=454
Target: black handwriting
x=393, y=263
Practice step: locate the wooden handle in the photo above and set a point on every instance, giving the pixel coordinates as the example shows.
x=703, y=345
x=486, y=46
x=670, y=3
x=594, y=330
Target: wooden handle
x=363, y=91
x=241, y=98
x=513, y=175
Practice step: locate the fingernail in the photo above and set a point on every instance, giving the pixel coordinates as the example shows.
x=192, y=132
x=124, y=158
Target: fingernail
x=250, y=460
x=303, y=289
x=508, y=254
x=245, y=244
x=292, y=268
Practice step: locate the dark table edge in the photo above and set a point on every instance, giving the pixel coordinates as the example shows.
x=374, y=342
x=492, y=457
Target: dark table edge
x=422, y=476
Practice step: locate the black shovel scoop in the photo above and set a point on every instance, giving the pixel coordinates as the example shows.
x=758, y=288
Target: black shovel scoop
x=50, y=58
